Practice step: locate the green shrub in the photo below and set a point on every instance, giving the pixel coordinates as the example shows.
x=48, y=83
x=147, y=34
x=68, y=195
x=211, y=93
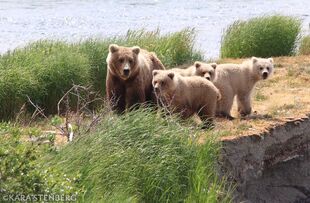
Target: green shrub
x=143, y=157
x=45, y=70
x=304, y=48
x=20, y=172
x=262, y=37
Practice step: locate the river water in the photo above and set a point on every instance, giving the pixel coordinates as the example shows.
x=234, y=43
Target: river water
x=24, y=21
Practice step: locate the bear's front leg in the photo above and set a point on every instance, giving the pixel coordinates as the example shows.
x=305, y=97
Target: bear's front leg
x=115, y=91
x=134, y=96
x=207, y=114
x=225, y=104
x=244, y=104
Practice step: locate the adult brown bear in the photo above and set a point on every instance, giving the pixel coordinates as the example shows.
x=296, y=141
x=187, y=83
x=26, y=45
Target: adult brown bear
x=129, y=76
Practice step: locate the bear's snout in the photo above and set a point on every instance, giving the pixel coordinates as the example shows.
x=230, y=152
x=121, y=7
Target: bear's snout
x=265, y=75
x=126, y=71
x=156, y=88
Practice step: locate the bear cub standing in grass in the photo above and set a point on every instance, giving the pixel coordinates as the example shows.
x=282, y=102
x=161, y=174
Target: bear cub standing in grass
x=201, y=69
x=186, y=95
x=129, y=76
x=240, y=79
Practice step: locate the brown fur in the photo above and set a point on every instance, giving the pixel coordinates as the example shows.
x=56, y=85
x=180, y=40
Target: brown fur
x=129, y=76
x=186, y=95
x=239, y=80
x=201, y=69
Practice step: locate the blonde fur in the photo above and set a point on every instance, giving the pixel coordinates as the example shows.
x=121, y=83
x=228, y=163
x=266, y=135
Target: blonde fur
x=206, y=70
x=239, y=80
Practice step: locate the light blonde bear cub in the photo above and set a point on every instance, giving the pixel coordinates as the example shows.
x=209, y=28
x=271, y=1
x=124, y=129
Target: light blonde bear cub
x=239, y=80
x=206, y=70
x=186, y=95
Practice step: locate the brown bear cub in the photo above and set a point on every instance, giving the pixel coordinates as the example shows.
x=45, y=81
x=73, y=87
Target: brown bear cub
x=129, y=76
x=239, y=80
x=201, y=69
x=186, y=95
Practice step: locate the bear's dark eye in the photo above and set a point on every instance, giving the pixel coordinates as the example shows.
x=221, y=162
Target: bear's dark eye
x=210, y=72
x=130, y=60
x=162, y=83
x=261, y=68
x=121, y=60
x=268, y=68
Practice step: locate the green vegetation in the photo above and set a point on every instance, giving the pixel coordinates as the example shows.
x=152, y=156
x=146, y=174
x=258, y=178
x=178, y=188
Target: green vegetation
x=262, y=37
x=45, y=70
x=143, y=157
x=20, y=168
x=304, y=48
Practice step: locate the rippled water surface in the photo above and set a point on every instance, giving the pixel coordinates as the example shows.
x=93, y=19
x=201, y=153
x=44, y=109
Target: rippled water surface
x=25, y=21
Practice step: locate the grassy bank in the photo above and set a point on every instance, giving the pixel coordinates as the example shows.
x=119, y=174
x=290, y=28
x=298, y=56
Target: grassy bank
x=137, y=157
x=45, y=70
x=142, y=157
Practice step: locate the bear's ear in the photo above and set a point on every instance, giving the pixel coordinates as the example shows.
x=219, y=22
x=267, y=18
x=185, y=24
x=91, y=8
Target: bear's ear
x=155, y=72
x=113, y=48
x=197, y=64
x=136, y=50
x=171, y=75
x=254, y=59
x=270, y=60
x=213, y=65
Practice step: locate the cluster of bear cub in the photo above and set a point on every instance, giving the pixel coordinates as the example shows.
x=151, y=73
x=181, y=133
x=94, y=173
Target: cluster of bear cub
x=136, y=76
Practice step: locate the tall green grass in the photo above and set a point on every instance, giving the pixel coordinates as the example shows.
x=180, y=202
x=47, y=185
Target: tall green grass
x=261, y=36
x=143, y=157
x=304, y=48
x=45, y=70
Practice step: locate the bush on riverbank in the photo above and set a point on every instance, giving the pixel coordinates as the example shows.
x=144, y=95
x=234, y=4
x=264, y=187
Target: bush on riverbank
x=304, y=48
x=143, y=157
x=45, y=70
x=262, y=37
x=21, y=171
